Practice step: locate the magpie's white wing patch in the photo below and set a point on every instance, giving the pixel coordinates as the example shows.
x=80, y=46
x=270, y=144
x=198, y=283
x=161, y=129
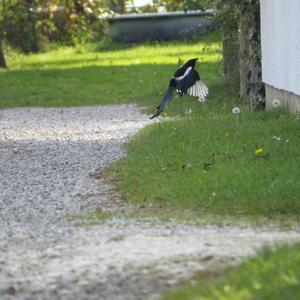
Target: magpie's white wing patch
x=199, y=89
x=186, y=73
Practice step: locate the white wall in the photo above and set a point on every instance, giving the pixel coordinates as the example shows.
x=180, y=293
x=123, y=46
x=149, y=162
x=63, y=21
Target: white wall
x=280, y=26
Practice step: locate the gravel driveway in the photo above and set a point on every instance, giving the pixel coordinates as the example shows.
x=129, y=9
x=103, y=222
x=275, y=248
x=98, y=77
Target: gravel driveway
x=46, y=159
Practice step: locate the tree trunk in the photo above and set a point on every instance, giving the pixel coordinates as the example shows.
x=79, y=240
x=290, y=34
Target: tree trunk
x=79, y=8
x=230, y=55
x=251, y=86
x=244, y=44
x=2, y=57
x=227, y=19
x=118, y=6
x=32, y=21
x=256, y=88
x=121, y=7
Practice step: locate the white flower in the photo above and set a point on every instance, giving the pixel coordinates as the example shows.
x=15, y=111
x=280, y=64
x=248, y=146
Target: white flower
x=201, y=99
x=88, y=10
x=236, y=110
x=188, y=112
x=277, y=138
x=276, y=103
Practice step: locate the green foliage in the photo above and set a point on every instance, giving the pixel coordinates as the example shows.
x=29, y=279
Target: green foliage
x=28, y=24
x=80, y=22
x=117, y=6
x=272, y=275
x=175, y=5
x=19, y=24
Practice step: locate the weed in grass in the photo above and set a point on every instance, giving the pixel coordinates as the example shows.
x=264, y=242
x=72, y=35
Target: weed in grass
x=91, y=219
x=118, y=238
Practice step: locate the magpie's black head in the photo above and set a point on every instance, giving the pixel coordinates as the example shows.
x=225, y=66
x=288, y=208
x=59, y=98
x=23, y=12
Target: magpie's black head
x=172, y=82
x=192, y=62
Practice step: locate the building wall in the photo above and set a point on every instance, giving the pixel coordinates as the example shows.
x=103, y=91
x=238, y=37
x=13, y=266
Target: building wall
x=280, y=26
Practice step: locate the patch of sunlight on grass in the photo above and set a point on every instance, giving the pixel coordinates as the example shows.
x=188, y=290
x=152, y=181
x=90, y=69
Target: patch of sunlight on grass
x=163, y=53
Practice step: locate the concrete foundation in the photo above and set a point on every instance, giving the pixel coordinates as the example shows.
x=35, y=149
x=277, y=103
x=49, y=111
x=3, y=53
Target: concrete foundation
x=287, y=99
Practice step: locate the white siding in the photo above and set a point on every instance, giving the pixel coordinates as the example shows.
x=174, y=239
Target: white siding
x=280, y=32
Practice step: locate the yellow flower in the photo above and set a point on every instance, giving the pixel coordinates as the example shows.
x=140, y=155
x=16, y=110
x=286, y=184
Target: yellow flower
x=259, y=151
x=163, y=169
x=73, y=16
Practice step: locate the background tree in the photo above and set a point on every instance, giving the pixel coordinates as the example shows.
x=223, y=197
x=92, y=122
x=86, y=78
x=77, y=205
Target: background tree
x=118, y=6
x=173, y=5
x=2, y=57
x=28, y=24
x=19, y=24
x=227, y=22
x=239, y=21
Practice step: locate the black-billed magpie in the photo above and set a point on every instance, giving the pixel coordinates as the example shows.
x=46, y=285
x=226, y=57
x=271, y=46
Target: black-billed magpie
x=185, y=80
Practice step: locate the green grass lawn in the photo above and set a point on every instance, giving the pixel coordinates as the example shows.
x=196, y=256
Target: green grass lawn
x=209, y=161
x=269, y=276
x=70, y=77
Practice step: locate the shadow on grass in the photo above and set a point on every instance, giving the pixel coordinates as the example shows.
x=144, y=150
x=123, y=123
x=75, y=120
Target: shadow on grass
x=109, y=45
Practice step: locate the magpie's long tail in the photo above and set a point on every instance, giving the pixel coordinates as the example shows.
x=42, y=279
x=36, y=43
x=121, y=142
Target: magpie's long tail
x=164, y=103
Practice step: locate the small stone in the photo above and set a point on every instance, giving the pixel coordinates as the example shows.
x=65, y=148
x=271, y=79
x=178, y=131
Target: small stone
x=10, y=290
x=51, y=253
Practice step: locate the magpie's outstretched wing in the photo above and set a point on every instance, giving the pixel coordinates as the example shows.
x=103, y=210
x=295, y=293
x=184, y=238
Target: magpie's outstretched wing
x=165, y=101
x=192, y=85
x=199, y=90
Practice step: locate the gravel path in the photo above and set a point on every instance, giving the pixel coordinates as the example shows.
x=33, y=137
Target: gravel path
x=47, y=157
